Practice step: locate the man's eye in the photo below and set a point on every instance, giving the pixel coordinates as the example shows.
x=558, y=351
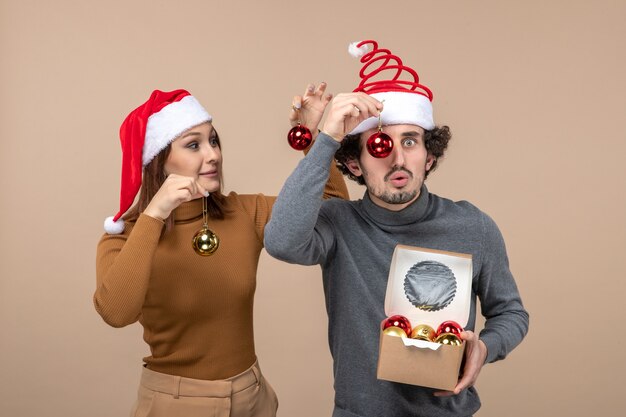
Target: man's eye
x=409, y=142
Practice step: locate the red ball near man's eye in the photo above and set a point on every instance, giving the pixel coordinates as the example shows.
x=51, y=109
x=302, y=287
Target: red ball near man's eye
x=379, y=145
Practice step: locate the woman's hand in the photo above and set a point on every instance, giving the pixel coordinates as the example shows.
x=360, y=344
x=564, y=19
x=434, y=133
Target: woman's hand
x=347, y=111
x=176, y=189
x=308, y=109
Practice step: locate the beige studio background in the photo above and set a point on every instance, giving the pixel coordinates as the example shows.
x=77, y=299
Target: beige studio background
x=534, y=92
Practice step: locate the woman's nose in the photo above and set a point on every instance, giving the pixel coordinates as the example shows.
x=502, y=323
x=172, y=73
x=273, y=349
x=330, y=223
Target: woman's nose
x=210, y=153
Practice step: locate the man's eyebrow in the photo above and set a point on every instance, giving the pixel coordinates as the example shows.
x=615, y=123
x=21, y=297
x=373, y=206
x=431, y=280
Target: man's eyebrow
x=411, y=133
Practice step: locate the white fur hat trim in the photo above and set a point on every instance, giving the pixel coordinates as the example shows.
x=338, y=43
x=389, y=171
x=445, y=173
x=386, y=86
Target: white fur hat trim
x=166, y=125
x=400, y=108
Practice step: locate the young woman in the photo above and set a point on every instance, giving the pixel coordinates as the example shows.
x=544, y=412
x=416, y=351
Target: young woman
x=183, y=260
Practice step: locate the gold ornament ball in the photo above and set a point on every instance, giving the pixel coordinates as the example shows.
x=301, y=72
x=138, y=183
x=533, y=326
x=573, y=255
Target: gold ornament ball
x=394, y=331
x=449, y=339
x=423, y=332
x=205, y=242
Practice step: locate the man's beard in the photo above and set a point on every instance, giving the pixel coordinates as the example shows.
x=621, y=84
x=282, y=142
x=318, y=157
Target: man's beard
x=400, y=197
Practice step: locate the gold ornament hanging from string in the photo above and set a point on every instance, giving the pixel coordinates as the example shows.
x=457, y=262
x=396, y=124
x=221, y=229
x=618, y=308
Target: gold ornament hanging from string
x=205, y=242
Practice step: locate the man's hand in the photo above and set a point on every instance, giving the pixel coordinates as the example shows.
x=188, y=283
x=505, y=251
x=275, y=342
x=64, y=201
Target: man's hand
x=347, y=111
x=475, y=356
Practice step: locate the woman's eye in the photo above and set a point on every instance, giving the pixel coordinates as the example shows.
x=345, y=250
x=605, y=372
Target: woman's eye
x=213, y=142
x=193, y=145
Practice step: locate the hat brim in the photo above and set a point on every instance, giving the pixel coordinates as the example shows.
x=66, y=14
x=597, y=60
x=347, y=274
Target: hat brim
x=400, y=108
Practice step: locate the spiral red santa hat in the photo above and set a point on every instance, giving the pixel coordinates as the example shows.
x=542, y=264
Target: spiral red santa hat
x=386, y=78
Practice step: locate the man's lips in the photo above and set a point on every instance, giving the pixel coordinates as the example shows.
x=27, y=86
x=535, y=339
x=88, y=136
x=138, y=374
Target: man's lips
x=399, y=177
x=399, y=182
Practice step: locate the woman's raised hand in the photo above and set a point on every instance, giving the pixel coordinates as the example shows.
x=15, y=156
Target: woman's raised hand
x=308, y=109
x=176, y=189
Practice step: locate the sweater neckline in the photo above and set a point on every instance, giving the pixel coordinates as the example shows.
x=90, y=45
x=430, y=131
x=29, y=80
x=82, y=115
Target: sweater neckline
x=188, y=211
x=414, y=212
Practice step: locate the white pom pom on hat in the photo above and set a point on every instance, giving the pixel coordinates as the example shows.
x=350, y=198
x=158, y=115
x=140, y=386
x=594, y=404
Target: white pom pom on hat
x=406, y=101
x=113, y=227
x=145, y=132
x=356, y=51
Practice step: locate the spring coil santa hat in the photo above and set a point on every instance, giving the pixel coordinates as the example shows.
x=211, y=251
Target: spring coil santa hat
x=405, y=101
x=145, y=132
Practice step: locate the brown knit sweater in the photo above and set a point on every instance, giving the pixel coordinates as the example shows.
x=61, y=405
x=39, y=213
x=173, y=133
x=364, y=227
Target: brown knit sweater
x=196, y=311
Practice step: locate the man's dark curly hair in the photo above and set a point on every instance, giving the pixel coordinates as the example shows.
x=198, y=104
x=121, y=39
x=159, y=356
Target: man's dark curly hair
x=436, y=142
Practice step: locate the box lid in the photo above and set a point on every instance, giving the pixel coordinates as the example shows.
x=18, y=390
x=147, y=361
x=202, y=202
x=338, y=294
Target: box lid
x=429, y=286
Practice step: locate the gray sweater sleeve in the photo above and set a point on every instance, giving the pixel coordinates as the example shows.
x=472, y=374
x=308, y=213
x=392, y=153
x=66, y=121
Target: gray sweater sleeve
x=506, y=320
x=296, y=233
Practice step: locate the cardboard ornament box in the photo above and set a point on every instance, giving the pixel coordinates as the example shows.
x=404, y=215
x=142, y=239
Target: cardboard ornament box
x=427, y=287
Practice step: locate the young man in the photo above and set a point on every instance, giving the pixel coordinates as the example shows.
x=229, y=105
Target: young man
x=353, y=241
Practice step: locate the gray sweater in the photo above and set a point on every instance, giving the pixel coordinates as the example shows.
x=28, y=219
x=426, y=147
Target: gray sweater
x=353, y=241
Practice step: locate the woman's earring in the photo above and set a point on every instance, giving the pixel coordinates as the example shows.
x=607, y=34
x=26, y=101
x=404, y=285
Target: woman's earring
x=299, y=136
x=379, y=145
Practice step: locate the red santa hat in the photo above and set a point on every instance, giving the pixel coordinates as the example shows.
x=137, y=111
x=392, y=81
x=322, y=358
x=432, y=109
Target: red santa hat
x=406, y=101
x=145, y=132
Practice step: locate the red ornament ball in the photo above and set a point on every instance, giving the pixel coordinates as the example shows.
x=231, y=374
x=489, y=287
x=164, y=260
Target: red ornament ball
x=398, y=321
x=449, y=326
x=379, y=145
x=299, y=137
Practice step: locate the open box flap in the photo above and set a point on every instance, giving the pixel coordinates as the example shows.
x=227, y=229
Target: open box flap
x=429, y=286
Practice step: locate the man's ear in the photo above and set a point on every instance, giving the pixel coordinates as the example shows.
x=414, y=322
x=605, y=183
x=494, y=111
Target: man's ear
x=354, y=167
x=430, y=160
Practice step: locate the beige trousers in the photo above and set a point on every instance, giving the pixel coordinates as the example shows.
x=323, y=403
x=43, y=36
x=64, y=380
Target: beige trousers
x=245, y=395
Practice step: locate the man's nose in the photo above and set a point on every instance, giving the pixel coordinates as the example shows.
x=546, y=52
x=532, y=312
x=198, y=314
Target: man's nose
x=397, y=154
